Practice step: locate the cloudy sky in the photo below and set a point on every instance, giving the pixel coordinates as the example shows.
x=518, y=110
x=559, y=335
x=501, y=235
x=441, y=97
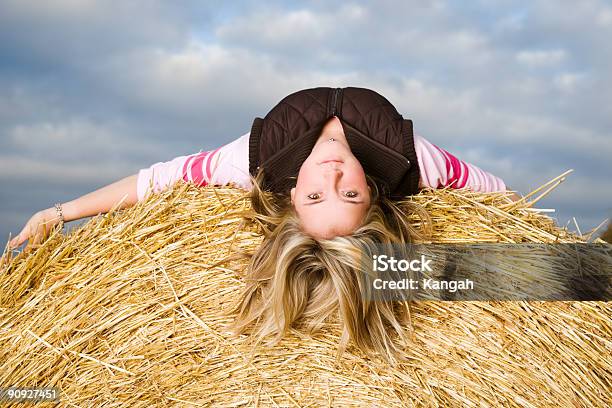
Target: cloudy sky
x=92, y=91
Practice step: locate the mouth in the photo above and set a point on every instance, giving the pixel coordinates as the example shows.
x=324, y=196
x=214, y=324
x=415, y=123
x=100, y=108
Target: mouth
x=333, y=160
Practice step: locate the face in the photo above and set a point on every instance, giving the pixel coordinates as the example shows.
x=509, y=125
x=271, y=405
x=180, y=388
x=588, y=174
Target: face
x=331, y=195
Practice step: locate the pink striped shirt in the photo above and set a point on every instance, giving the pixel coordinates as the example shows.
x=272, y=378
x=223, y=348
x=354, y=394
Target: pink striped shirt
x=230, y=164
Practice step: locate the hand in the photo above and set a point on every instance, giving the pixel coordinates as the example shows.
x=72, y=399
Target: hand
x=515, y=197
x=37, y=228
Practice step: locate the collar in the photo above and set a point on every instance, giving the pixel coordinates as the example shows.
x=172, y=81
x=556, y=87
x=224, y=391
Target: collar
x=387, y=167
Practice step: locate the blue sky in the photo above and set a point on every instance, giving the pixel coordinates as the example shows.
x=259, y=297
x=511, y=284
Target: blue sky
x=92, y=91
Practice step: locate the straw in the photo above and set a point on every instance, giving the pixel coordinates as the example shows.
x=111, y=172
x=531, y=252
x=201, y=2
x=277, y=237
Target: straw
x=132, y=309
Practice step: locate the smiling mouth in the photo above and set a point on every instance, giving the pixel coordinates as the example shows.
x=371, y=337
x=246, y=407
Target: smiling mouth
x=337, y=160
x=331, y=161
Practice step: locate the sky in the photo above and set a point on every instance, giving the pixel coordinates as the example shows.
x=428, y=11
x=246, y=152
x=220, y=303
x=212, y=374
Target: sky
x=92, y=91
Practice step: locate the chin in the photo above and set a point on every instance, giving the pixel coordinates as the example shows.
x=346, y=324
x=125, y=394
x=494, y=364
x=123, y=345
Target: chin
x=333, y=149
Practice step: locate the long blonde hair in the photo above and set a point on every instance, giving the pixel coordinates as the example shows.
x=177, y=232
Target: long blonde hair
x=296, y=281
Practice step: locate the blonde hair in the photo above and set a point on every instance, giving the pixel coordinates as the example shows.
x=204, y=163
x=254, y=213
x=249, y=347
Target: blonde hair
x=296, y=281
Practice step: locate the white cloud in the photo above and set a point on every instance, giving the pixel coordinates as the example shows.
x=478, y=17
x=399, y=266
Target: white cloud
x=75, y=151
x=207, y=80
x=78, y=32
x=513, y=22
x=21, y=104
x=277, y=27
x=568, y=81
x=541, y=58
x=294, y=28
x=75, y=135
x=28, y=168
x=54, y=8
x=605, y=17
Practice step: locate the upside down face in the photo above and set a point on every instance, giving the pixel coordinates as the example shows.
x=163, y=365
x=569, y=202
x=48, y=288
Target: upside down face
x=331, y=195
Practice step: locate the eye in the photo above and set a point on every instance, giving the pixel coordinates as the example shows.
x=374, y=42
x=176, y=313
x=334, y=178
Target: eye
x=314, y=196
x=351, y=194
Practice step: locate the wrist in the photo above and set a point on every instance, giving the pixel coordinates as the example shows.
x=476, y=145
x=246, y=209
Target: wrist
x=48, y=213
x=68, y=211
x=60, y=213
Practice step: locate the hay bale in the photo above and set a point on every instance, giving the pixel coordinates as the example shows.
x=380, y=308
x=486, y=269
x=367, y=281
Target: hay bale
x=127, y=310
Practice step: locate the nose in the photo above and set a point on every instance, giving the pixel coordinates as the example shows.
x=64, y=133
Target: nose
x=332, y=173
x=332, y=166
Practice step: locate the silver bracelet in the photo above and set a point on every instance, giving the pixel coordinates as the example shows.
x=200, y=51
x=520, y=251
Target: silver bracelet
x=60, y=214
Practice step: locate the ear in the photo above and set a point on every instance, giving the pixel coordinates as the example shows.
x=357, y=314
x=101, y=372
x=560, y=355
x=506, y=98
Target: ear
x=293, y=195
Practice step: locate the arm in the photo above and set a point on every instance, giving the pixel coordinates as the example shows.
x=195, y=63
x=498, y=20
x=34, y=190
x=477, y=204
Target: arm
x=99, y=201
x=102, y=200
x=226, y=164
x=440, y=168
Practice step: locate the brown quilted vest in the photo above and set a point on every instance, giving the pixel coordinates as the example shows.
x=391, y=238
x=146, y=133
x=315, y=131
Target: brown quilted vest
x=380, y=138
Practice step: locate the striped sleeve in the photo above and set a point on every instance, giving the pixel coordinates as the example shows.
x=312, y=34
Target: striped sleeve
x=197, y=167
x=226, y=164
x=162, y=175
x=439, y=168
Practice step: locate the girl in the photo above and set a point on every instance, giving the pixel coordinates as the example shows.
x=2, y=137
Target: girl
x=323, y=168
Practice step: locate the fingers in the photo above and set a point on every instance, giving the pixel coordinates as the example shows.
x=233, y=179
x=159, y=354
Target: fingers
x=35, y=231
x=23, y=235
x=33, y=241
x=21, y=238
x=515, y=197
x=39, y=237
x=16, y=241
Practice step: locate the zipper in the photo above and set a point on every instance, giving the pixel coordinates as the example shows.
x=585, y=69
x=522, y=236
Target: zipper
x=337, y=92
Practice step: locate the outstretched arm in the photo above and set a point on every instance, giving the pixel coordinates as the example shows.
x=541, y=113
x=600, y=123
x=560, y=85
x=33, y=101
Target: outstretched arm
x=227, y=164
x=439, y=168
x=102, y=200
x=99, y=201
